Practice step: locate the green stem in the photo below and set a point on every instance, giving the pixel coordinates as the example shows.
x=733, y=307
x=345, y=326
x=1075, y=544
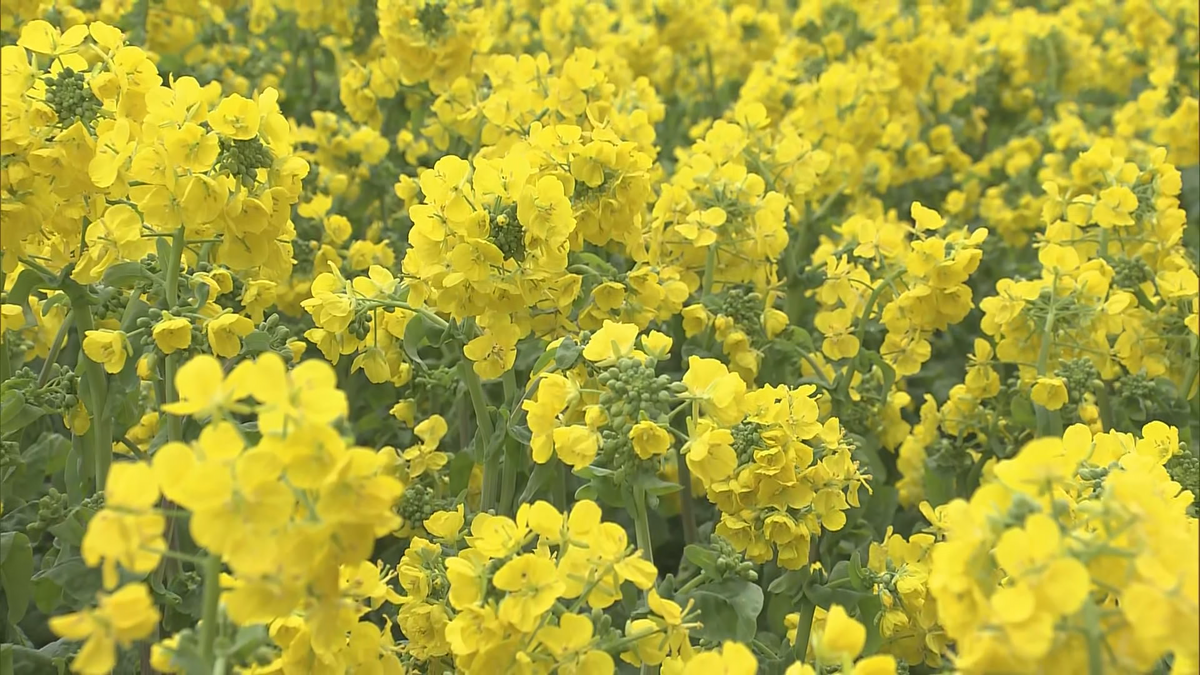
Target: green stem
x=861, y=332
x=60, y=339
x=212, y=601
x=174, y=422
x=1104, y=403
x=693, y=583
x=71, y=471
x=173, y=265
x=484, y=433
x=1193, y=366
x=100, y=431
x=641, y=524
x=710, y=270
x=687, y=513
x=807, y=611
x=1049, y=423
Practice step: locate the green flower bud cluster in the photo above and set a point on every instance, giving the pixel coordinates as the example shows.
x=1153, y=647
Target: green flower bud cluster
x=1022, y=507
x=60, y=393
x=508, y=235
x=71, y=99
x=633, y=392
x=155, y=315
x=946, y=455
x=435, y=388
x=730, y=563
x=747, y=437
x=1184, y=469
x=1079, y=374
x=52, y=509
x=419, y=502
x=1130, y=273
x=243, y=159
x=433, y=19
x=109, y=302
x=1134, y=388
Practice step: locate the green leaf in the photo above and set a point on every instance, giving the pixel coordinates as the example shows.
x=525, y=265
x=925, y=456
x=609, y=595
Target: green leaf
x=414, y=334
x=881, y=508
x=201, y=292
x=889, y=373
x=826, y=597
x=790, y=583
x=701, y=557
x=16, y=570
x=78, y=582
x=15, y=413
x=730, y=610
x=125, y=274
x=543, y=363
x=567, y=354
x=856, y=573
x=939, y=486
x=542, y=474
x=73, y=527
x=1022, y=412
x=257, y=341
x=654, y=485
x=27, y=281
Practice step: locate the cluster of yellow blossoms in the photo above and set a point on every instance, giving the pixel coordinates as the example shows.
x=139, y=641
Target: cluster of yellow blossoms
x=580, y=337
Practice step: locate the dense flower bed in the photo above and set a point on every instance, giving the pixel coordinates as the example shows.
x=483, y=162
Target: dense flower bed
x=586, y=337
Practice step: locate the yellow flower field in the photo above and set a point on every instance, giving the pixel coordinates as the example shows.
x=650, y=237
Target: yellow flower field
x=584, y=337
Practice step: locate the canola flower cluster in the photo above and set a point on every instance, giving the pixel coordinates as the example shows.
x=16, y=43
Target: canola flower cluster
x=580, y=337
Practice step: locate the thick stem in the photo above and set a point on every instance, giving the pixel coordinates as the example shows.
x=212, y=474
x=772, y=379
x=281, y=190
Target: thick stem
x=641, y=524
x=513, y=455
x=174, y=423
x=60, y=339
x=1048, y=422
x=212, y=600
x=101, y=430
x=484, y=433
x=1104, y=403
x=710, y=270
x=848, y=375
x=800, y=649
x=808, y=609
x=71, y=471
x=687, y=513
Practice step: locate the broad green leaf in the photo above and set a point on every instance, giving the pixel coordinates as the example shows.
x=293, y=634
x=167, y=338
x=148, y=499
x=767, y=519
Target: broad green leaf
x=414, y=334
x=16, y=570
x=701, y=557
x=125, y=274
x=730, y=610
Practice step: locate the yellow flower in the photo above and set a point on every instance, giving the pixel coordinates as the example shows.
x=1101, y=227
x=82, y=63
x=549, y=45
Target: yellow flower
x=445, y=524
x=225, y=334
x=719, y=391
x=532, y=586
x=1050, y=392
x=11, y=318
x=613, y=341
x=236, y=117
x=203, y=388
x=649, y=439
x=842, y=639
x=576, y=445
x=121, y=618
x=107, y=347
x=926, y=218
x=734, y=658
x=172, y=333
